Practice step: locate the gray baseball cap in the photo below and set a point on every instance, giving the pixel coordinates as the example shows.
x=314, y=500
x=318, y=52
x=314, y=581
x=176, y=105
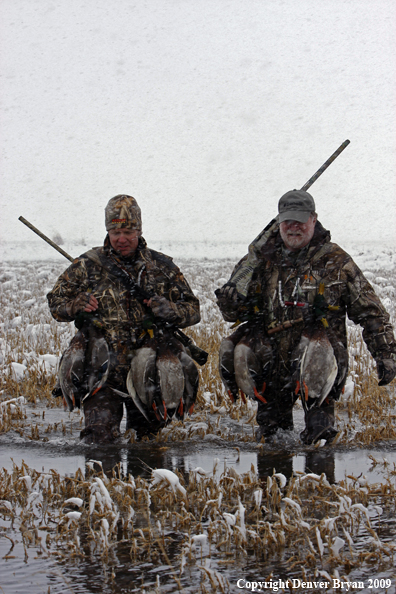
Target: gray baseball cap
x=296, y=205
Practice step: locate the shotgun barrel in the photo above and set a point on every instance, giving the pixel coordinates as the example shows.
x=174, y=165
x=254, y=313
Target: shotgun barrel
x=325, y=165
x=47, y=239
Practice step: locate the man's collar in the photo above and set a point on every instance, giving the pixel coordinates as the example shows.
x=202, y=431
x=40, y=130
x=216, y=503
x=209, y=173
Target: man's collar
x=294, y=256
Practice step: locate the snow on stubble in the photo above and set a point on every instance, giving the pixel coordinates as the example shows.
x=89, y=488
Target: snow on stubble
x=31, y=340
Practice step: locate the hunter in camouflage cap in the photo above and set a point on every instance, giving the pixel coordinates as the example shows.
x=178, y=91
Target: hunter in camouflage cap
x=123, y=212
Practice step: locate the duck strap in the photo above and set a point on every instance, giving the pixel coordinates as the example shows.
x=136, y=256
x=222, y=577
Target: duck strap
x=117, y=272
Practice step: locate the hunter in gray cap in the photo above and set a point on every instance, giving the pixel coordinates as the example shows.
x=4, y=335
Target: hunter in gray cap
x=294, y=291
x=297, y=219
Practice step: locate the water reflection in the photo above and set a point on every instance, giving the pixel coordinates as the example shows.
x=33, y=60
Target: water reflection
x=268, y=463
x=122, y=572
x=321, y=461
x=139, y=461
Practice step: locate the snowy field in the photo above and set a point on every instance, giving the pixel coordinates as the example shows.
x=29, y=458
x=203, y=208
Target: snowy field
x=31, y=340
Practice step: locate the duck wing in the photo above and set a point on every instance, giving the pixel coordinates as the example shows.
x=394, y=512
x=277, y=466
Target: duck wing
x=97, y=361
x=191, y=382
x=227, y=368
x=142, y=375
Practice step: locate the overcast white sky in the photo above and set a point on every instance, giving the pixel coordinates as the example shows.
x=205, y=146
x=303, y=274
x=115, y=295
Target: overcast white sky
x=206, y=111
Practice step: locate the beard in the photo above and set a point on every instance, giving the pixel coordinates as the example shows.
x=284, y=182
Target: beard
x=295, y=240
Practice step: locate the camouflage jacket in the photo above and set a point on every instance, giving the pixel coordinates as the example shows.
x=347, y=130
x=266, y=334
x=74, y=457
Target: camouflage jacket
x=320, y=275
x=122, y=315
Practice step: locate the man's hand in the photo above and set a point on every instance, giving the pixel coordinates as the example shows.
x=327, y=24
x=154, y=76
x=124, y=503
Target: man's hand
x=83, y=302
x=162, y=308
x=386, y=371
x=227, y=294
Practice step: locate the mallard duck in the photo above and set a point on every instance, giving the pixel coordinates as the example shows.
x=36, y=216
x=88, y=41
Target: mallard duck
x=71, y=369
x=170, y=378
x=227, y=368
x=191, y=381
x=84, y=366
x=97, y=361
x=245, y=359
x=316, y=366
x=163, y=380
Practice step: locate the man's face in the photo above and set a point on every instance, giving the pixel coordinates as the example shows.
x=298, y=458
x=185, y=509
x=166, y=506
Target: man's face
x=124, y=241
x=297, y=235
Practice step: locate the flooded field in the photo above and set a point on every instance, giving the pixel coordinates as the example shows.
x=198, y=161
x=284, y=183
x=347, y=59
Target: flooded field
x=64, y=452
x=203, y=508
x=231, y=510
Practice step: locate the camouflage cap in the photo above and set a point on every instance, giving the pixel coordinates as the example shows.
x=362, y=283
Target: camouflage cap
x=296, y=205
x=123, y=212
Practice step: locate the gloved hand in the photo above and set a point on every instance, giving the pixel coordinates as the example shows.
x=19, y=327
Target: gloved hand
x=163, y=309
x=227, y=293
x=386, y=371
x=83, y=302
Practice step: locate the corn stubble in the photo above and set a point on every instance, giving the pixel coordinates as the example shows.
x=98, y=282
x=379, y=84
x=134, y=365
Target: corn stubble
x=28, y=335
x=306, y=526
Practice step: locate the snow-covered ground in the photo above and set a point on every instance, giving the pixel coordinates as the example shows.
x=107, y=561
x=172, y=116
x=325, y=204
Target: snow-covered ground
x=369, y=255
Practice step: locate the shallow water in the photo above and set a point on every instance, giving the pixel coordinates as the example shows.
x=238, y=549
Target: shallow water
x=138, y=459
x=116, y=574
x=62, y=450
